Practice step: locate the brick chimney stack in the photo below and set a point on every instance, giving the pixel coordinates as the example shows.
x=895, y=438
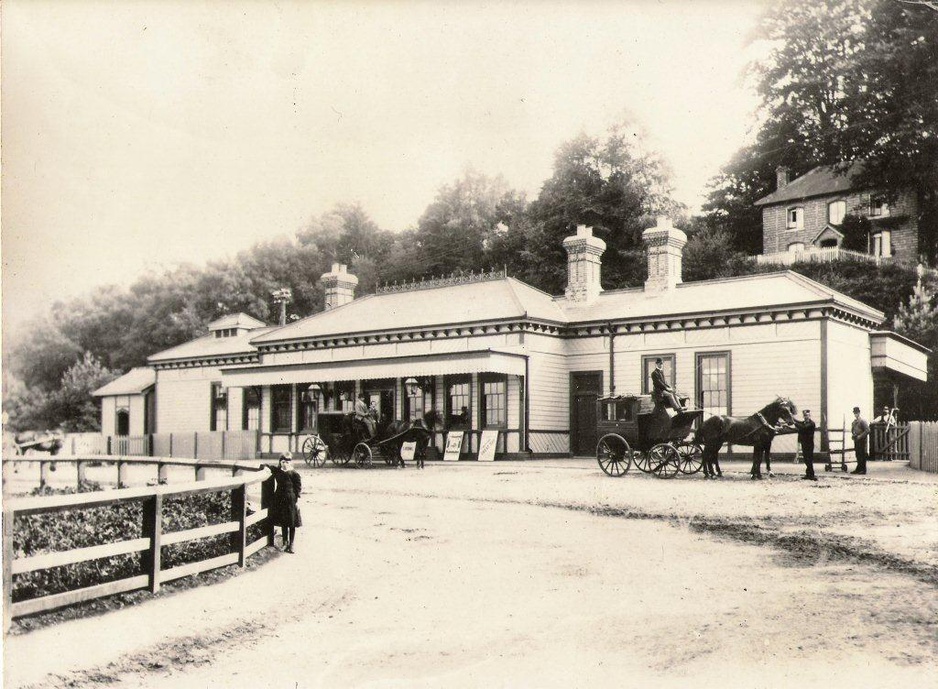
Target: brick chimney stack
x=665, y=245
x=781, y=177
x=583, y=264
x=339, y=285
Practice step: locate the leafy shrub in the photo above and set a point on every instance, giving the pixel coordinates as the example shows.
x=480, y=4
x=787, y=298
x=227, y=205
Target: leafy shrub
x=81, y=528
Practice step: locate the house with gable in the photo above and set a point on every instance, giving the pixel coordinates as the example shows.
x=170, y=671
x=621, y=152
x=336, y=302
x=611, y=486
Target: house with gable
x=803, y=218
x=489, y=352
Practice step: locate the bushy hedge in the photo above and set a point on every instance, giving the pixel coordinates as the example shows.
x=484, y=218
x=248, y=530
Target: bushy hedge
x=81, y=528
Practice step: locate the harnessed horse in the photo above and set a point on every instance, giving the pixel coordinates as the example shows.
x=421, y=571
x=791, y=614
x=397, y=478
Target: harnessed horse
x=756, y=431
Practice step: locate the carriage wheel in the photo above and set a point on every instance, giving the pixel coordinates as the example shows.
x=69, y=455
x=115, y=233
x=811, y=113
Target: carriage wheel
x=665, y=460
x=362, y=454
x=314, y=451
x=644, y=462
x=340, y=455
x=691, y=457
x=614, y=455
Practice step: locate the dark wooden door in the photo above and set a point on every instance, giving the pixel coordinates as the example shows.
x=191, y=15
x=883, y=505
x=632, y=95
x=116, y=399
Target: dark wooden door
x=585, y=389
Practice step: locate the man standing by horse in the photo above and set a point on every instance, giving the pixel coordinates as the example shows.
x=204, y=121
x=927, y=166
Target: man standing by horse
x=662, y=390
x=806, y=428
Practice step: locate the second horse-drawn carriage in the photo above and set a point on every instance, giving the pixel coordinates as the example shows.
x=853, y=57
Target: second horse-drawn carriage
x=342, y=437
x=637, y=429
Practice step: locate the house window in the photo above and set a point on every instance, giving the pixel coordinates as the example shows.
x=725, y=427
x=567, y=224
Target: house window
x=878, y=207
x=344, y=396
x=251, y=413
x=457, y=402
x=795, y=218
x=219, y=420
x=796, y=247
x=280, y=401
x=494, y=400
x=713, y=383
x=306, y=410
x=415, y=403
x=122, y=422
x=836, y=210
x=882, y=243
x=648, y=365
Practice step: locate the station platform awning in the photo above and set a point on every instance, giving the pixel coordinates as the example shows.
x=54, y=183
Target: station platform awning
x=483, y=361
x=893, y=354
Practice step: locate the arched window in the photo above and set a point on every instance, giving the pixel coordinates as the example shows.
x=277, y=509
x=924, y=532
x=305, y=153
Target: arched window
x=122, y=422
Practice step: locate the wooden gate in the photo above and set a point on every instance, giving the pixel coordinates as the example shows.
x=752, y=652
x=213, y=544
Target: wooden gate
x=890, y=442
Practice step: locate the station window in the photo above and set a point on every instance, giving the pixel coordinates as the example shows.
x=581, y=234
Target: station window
x=457, y=402
x=219, y=420
x=494, y=400
x=416, y=403
x=306, y=410
x=344, y=396
x=648, y=365
x=713, y=383
x=280, y=402
x=251, y=412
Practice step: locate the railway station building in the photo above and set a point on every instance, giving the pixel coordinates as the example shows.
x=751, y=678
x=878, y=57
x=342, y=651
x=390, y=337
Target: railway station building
x=489, y=352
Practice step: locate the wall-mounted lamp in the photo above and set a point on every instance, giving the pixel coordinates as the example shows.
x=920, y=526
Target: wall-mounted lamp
x=415, y=385
x=313, y=391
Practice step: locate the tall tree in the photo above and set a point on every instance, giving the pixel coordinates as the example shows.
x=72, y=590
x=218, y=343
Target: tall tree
x=844, y=81
x=611, y=184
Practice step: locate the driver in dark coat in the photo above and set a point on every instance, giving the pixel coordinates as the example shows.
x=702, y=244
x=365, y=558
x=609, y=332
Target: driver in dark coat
x=661, y=390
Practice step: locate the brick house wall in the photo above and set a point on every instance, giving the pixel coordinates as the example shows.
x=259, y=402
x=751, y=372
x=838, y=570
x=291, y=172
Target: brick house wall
x=776, y=237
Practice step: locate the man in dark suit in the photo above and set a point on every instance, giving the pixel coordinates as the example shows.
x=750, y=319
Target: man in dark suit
x=661, y=389
x=806, y=428
x=859, y=430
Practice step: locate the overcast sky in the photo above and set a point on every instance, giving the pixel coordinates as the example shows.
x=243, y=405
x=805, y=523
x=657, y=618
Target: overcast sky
x=138, y=135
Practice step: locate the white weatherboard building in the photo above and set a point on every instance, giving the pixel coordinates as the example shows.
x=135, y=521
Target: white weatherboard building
x=490, y=352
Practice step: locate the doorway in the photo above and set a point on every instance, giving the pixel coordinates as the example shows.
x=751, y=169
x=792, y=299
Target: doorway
x=585, y=388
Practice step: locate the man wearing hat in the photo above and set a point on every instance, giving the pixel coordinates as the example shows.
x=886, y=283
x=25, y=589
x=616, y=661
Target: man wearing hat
x=806, y=428
x=662, y=390
x=859, y=431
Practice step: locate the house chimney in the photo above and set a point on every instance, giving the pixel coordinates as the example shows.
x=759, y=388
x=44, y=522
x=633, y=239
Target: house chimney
x=781, y=177
x=583, y=264
x=664, y=243
x=339, y=285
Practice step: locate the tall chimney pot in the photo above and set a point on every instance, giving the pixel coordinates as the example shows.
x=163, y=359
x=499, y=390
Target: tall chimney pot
x=584, y=264
x=665, y=244
x=781, y=177
x=339, y=285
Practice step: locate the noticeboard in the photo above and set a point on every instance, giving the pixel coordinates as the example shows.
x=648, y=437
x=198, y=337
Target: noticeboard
x=487, y=446
x=453, y=446
x=408, y=450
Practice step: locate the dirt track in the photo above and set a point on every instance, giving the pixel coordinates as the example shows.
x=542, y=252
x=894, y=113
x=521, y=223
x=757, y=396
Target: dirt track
x=550, y=575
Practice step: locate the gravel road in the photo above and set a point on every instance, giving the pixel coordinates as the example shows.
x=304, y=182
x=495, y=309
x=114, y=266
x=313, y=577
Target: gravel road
x=547, y=574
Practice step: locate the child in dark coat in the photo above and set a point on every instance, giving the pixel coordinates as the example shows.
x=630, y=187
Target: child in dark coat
x=284, y=511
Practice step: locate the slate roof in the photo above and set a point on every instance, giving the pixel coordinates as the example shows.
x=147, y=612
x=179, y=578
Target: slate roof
x=473, y=302
x=745, y=293
x=821, y=181
x=211, y=346
x=134, y=382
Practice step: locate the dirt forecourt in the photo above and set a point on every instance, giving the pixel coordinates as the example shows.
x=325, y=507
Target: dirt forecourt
x=547, y=574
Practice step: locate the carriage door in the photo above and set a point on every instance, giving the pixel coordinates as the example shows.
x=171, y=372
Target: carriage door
x=585, y=388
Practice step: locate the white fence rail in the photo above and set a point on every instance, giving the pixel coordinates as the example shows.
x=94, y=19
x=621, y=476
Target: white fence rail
x=825, y=255
x=194, y=445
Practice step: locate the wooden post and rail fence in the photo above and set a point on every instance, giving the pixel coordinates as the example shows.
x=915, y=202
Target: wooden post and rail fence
x=152, y=537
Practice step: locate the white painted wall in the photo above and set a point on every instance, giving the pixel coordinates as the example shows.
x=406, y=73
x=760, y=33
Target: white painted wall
x=184, y=398
x=850, y=376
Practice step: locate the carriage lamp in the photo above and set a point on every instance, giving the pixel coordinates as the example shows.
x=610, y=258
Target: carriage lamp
x=312, y=392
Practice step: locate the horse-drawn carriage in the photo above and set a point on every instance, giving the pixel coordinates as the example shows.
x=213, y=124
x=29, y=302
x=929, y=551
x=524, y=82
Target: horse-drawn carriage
x=342, y=437
x=637, y=429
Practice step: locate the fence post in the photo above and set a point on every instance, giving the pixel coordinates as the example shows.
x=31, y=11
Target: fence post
x=162, y=472
x=195, y=445
x=121, y=474
x=267, y=501
x=239, y=538
x=170, y=444
x=81, y=470
x=109, y=445
x=223, y=456
x=43, y=474
x=153, y=529
x=7, y=569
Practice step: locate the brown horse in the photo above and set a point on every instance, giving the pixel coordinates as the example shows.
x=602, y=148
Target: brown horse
x=756, y=431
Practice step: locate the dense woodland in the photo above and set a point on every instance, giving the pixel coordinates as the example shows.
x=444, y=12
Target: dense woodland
x=845, y=80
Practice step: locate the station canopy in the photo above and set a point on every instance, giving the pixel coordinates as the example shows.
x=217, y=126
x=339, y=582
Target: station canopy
x=482, y=361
